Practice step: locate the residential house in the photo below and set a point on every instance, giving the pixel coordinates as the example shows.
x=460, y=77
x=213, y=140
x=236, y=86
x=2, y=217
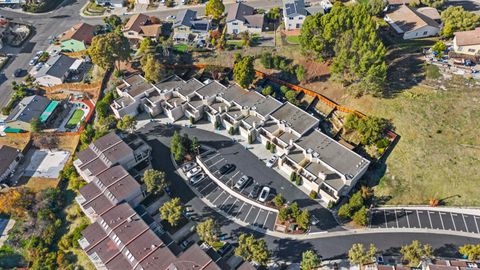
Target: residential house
x=410, y=23
x=242, y=18
x=431, y=12
x=77, y=38
x=467, y=42
x=56, y=70
x=140, y=26
x=108, y=151
x=188, y=28
x=29, y=108
x=435, y=264
x=121, y=238
x=111, y=3
x=9, y=159
x=294, y=14
x=108, y=188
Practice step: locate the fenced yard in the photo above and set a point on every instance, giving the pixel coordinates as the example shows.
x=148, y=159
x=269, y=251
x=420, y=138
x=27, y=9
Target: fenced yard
x=75, y=119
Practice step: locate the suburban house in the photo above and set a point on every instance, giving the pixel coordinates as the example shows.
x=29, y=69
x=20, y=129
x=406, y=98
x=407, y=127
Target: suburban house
x=294, y=14
x=111, y=3
x=140, y=26
x=435, y=264
x=126, y=238
x=108, y=151
x=325, y=165
x=57, y=69
x=242, y=18
x=431, y=12
x=77, y=38
x=410, y=23
x=107, y=189
x=467, y=42
x=31, y=107
x=187, y=27
x=9, y=159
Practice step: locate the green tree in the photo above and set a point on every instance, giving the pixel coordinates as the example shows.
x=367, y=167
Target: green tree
x=252, y=249
x=113, y=20
x=154, y=180
x=438, y=4
x=360, y=217
x=127, y=123
x=145, y=45
x=102, y=109
x=416, y=253
x=300, y=73
x=266, y=60
x=291, y=96
x=171, y=211
x=303, y=219
x=208, y=231
x=358, y=255
x=109, y=49
x=439, y=47
x=195, y=145
x=455, y=19
x=310, y=260
x=177, y=148
x=295, y=210
x=243, y=71
x=35, y=124
x=278, y=200
x=273, y=14
x=375, y=7
x=345, y=211
x=283, y=213
x=284, y=89
x=214, y=8
x=154, y=71
x=267, y=90
x=472, y=252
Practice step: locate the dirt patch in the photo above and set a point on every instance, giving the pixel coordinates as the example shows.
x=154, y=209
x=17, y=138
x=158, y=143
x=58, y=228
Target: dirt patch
x=19, y=142
x=39, y=183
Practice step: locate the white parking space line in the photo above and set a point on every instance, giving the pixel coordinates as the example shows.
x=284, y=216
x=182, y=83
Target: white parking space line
x=453, y=221
x=240, y=210
x=213, y=202
x=255, y=221
x=441, y=219
x=229, y=196
x=430, y=219
x=268, y=214
x=233, y=204
x=476, y=224
x=216, y=163
x=230, y=180
x=464, y=222
x=408, y=220
x=418, y=217
x=205, y=187
x=213, y=191
x=248, y=213
x=211, y=157
x=385, y=215
x=396, y=218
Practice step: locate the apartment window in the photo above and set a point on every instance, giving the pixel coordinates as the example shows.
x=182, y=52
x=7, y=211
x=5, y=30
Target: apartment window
x=471, y=50
x=425, y=33
x=290, y=18
x=235, y=23
x=300, y=18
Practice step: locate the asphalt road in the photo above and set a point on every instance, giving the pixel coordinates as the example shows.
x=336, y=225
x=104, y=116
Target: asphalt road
x=286, y=249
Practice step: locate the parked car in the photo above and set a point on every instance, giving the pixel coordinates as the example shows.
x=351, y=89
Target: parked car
x=39, y=66
x=193, y=172
x=188, y=166
x=226, y=168
x=272, y=161
x=18, y=72
x=243, y=182
x=225, y=249
x=197, y=179
x=171, y=18
x=33, y=61
x=186, y=244
x=313, y=220
x=264, y=194
x=255, y=191
x=39, y=53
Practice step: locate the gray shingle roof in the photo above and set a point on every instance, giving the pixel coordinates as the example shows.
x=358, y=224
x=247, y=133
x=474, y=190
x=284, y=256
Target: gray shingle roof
x=7, y=156
x=238, y=11
x=57, y=66
x=294, y=7
x=185, y=18
x=29, y=108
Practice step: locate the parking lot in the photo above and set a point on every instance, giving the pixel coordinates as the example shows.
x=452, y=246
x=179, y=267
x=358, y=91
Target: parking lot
x=427, y=219
x=229, y=204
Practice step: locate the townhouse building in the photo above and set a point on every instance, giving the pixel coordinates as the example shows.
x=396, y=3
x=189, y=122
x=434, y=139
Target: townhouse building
x=109, y=151
x=325, y=166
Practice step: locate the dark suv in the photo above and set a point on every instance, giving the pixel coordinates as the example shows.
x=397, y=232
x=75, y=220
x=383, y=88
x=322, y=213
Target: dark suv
x=255, y=191
x=226, y=168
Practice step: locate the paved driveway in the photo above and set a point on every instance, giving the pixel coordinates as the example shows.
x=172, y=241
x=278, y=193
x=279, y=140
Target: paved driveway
x=426, y=219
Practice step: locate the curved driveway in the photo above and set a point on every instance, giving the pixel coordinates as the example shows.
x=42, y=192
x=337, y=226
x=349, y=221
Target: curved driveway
x=330, y=245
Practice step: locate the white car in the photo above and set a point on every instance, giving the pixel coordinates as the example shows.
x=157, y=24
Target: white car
x=33, y=61
x=264, y=194
x=272, y=161
x=188, y=166
x=171, y=18
x=39, y=66
x=197, y=179
x=194, y=172
x=39, y=53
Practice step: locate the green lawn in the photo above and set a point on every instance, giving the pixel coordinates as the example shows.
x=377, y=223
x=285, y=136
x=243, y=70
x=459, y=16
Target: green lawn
x=180, y=48
x=293, y=39
x=75, y=119
x=236, y=43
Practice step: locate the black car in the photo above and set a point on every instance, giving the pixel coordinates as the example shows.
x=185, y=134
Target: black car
x=226, y=168
x=18, y=72
x=255, y=191
x=225, y=249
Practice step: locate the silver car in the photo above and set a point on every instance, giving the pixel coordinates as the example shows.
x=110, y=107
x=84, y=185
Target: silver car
x=264, y=194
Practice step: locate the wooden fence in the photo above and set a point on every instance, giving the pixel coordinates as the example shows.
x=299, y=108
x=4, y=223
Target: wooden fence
x=73, y=86
x=78, y=54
